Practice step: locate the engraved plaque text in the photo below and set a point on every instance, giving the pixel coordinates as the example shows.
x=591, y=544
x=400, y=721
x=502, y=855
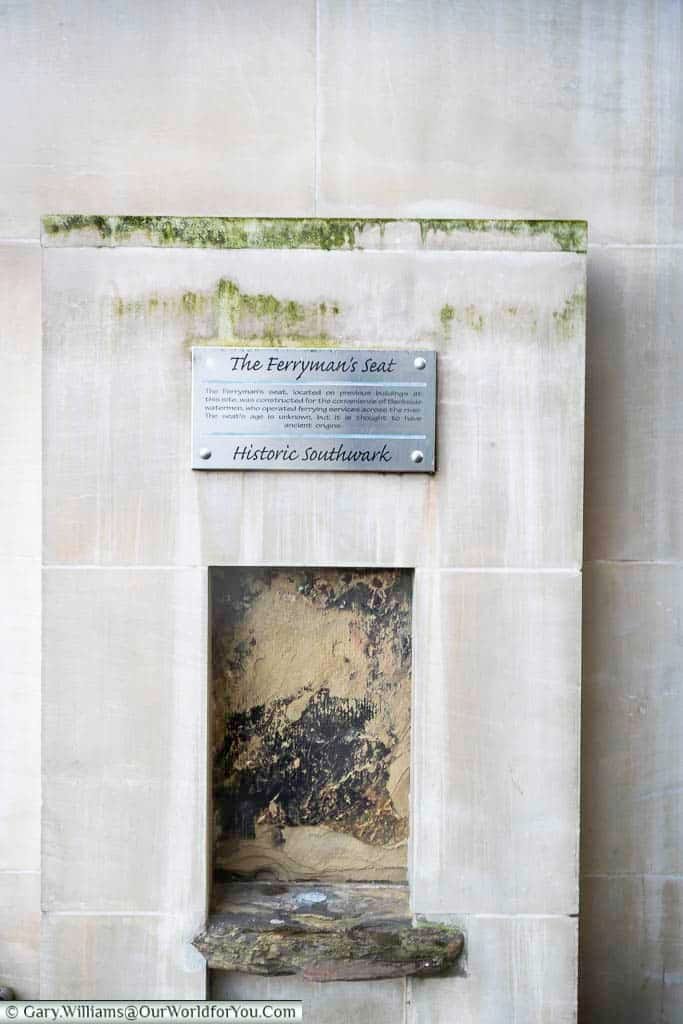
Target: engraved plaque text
x=313, y=409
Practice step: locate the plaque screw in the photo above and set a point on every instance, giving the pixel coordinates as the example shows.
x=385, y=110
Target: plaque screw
x=420, y=363
x=416, y=456
x=204, y=453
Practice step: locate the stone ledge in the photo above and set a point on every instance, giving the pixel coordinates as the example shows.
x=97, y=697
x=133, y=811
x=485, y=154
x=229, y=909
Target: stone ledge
x=346, y=932
x=408, y=234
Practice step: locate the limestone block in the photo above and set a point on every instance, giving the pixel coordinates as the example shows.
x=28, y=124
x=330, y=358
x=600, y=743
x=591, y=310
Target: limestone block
x=20, y=554
x=20, y=715
x=124, y=740
x=495, y=742
x=492, y=107
x=631, y=961
x=20, y=931
x=633, y=724
x=20, y=390
x=634, y=470
x=122, y=956
x=156, y=108
x=517, y=969
x=376, y=1002
x=509, y=331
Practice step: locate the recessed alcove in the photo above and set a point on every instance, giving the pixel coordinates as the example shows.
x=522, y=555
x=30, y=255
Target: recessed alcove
x=310, y=775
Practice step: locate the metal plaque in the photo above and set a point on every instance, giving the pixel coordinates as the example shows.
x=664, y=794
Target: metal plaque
x=317, y=408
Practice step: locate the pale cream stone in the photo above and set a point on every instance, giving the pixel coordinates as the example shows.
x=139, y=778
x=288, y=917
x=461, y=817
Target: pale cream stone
x=634, y=468
x=147, y=109
x=20, y=401
x=20, y=932
x=633, y=727
x=509, y=330
x=126, y=956
x=20, y=554
x=124, y=740
x=20, y=715
x=376, y=1002
x=545, y=110
x=120, y=325
x=631, y=964
x=316, y=853
x=495, y=742
x=516, y=969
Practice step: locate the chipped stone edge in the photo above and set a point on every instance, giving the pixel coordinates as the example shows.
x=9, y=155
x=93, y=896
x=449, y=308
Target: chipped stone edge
x=401, y=234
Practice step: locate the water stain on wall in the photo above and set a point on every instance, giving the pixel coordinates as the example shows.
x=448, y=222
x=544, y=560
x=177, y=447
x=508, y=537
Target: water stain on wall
x=311, y=743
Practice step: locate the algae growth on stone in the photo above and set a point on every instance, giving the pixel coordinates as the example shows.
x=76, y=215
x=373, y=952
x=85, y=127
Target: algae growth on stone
x=311, y=688
x=327, y=233
x=565, y=318
x=233, y=315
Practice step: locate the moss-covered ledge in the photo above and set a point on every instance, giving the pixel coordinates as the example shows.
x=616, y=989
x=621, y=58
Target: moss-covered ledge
x=346, y=932
x=391, y=234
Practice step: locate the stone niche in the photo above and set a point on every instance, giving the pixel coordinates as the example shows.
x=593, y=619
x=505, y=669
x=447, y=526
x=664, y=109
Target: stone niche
x=310, y=754
x=311, y=675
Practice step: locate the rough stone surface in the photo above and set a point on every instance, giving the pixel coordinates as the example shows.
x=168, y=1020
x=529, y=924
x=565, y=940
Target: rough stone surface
x=330, y=933
x=311, y=683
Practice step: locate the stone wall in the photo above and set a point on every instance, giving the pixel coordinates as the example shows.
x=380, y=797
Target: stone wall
x=493, y=540
x=523, y=109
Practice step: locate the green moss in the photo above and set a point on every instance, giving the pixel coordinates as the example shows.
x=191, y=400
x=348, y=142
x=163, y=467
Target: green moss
x=204, y=232
x=570, y=235
x=573, y=309
x=244, y=315
x=468, y=316
x=290, y=233
x=237, y=316
x=446, y=316
x=474, y=319
x=218, y=232
x=66, y=223
x=192, y=302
